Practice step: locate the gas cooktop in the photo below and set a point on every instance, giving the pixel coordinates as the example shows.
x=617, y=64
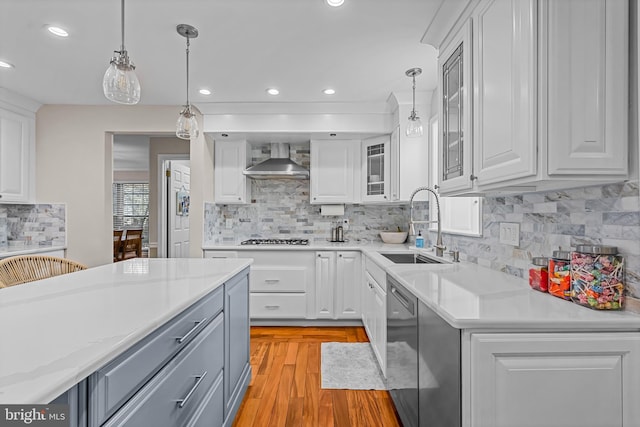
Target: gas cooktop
x=275, y=242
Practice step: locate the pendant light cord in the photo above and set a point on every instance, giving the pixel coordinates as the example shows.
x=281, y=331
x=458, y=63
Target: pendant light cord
x=413, y=111
x=188, y=44
x=122, y=20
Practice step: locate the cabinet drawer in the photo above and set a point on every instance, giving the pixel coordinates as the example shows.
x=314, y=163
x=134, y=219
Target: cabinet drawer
x=175, y=394
x=116, y=382
x=278, y=279
x=211, y=412
x=278, y=305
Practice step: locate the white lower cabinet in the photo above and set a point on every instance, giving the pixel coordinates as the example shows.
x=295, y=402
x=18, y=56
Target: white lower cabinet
x=337, y=285
x=552, y=379
x=280, y=283
x=374, y=310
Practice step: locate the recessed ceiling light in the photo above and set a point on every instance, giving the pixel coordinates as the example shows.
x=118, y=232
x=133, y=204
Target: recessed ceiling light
x=4, y=64
x=273, y=91
x=205, y=91
x=329, y=91
x=57, y=31
x=335, y=3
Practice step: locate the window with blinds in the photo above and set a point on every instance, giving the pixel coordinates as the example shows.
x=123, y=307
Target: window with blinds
x=131, y=208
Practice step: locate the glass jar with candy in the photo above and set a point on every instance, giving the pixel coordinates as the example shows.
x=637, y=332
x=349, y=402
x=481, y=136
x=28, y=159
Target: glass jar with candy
x=597, y=277
x=538, y=274
x=560, y=274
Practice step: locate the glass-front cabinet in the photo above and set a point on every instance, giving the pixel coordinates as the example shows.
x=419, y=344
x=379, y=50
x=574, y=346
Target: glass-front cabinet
x=455, y=137
x=375, y=168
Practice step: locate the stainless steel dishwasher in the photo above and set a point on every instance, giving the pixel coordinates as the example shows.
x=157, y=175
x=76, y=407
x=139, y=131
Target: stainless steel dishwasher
x=439, y=370
x=402, y=351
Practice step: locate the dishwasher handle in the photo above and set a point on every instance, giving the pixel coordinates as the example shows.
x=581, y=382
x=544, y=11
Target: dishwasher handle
x=402, y=299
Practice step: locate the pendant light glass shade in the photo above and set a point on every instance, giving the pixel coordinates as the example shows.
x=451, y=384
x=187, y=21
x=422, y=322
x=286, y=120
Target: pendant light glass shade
x=120, y=83
x=187, y=125
x=414, y=126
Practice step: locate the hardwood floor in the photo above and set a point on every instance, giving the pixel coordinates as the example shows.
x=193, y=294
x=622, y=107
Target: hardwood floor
x=285, y=387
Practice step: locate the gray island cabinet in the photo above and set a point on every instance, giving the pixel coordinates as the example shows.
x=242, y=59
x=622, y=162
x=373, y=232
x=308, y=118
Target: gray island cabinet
x=191, y=370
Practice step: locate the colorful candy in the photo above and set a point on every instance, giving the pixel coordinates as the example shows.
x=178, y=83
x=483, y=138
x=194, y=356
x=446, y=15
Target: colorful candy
x=597, y=277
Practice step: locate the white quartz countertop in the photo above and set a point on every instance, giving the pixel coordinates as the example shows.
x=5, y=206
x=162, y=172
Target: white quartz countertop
x=468, y=295
x=55, y=332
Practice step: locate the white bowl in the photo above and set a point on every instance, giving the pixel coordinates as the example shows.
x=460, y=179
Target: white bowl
x=393, y=236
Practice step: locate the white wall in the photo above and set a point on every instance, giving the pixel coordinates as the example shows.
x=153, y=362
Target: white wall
x=74, y=166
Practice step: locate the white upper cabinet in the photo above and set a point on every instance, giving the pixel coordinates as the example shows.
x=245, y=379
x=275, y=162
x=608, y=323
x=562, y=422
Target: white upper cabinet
x=231, y=158
x=376, y=177
x=584, y=45
x=335, y=171
x=548, y=83
x=409, y=159
x=17, y=155
x=454, y=78
x=504, y=81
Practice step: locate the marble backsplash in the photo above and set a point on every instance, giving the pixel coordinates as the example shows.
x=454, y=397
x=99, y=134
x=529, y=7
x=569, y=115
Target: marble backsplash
x=600, y=215
x=32, y=225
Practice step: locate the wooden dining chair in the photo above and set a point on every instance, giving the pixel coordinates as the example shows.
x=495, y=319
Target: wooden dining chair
x=27, y=268
x=132, y=244
x=117, y=245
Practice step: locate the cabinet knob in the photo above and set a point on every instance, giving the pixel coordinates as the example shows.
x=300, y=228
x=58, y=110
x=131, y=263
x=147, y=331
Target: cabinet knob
x=315, y=198
x=435, y=187
x=385, y=197
x=319, y=255
x=340, y=255
x=473, y=177
x=239, y=198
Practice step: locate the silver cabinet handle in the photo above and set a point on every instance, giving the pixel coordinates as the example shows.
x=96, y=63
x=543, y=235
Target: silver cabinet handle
x=271, y=281
x=199, y=379
x=191, y=331
x=272, y=307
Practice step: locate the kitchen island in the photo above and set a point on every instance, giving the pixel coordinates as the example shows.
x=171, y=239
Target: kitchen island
x=115, y=335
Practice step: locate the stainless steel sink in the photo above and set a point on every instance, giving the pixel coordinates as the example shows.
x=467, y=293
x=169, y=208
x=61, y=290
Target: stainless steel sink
x=410, y=258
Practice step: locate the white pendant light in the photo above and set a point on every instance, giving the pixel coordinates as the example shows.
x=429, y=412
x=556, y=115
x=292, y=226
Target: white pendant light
x=120, y=83
x=414, y=126
x=187, y=125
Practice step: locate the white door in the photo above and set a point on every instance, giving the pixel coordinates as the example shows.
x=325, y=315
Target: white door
x=178, y=209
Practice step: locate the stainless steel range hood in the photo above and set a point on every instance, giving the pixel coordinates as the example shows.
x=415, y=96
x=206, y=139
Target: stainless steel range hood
x=278, y=166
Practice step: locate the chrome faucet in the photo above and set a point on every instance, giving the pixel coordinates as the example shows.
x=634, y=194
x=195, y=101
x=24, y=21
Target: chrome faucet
x=412, y=231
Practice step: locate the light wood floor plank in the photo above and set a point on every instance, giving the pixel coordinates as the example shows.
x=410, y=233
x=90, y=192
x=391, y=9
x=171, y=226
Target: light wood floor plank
x=285, y=389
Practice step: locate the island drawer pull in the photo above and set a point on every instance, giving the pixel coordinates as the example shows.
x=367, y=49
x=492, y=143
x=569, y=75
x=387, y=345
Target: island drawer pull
x=199, y=379
x=272, y=307
x=271, y=281
x=191, y=331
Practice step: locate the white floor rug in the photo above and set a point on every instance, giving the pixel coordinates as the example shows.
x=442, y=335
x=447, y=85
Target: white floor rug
x=350, y=366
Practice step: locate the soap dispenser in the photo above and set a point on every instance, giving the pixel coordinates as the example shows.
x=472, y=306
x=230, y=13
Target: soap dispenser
x=419, y=240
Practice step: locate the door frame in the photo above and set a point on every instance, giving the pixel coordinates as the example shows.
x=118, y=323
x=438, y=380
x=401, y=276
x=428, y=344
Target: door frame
x=163, y=200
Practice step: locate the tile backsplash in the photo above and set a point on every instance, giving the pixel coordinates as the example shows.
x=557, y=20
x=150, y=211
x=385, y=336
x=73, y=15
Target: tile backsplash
x=602, y=215
x=606, y=214
x=32, y=225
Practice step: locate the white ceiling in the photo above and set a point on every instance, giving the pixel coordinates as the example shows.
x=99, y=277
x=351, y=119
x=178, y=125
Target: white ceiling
x=361, y=49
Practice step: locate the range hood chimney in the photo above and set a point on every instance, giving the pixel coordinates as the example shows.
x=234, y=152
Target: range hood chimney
x=278, y=166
